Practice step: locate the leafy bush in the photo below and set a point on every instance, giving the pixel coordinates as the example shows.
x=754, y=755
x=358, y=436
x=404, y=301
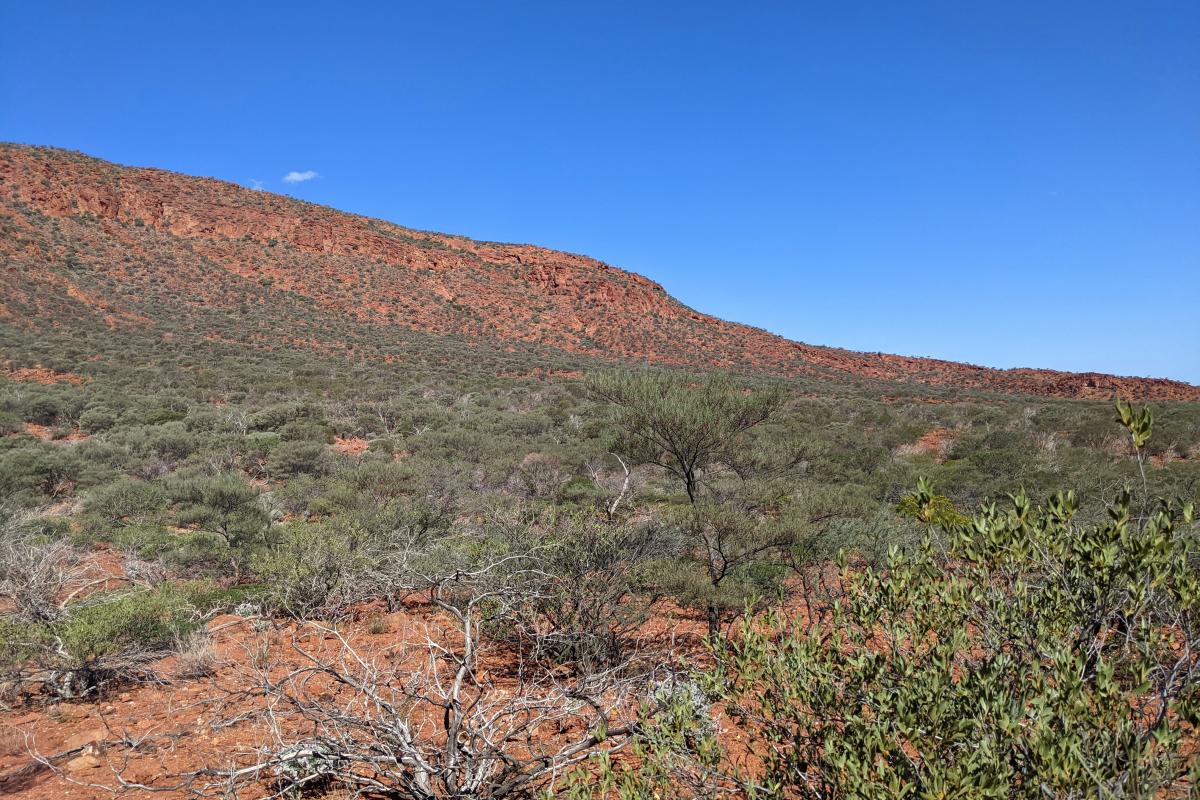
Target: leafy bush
x=96, y=419
x=20, y=643
x=127, y=502
x=926, y=506
x=103, y=638
x=33, y=475
x=227, y=506
x=129, y=624
x=290, y=458
x=162, y=415
x=42, y=411
x=589, y=585
x=311, y=567
x=10, y=423
x=1035, y=657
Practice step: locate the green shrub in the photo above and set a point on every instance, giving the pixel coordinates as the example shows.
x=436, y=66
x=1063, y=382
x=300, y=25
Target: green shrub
x=129, y=623
x=303, y=430
x=926, y=506
x=200, y=553
x=227, y=506
x=162, y=415
x=311, y=567
x=103, y=638
x=291, y=458
x=1035, y=658
x=10, y=423
x=42, y=411
x=127, y=502
x=34, y=474
x=209, y=597
x=20, y=643
x=171, y=441
x=97, y=419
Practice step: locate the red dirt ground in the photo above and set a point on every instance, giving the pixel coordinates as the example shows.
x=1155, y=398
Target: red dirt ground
x=43, y=375
x=935, y=442
x=352, y=446
x=190, y=723
x=46, y=434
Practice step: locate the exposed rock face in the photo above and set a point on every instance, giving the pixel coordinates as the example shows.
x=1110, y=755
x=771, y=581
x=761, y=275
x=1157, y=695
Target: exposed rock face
x=202, y=239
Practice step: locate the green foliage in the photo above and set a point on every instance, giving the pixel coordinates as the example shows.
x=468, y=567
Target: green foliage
x=20, y=643
x=9, y=423
x=42, y=410
x=685, y=425
x=37, y=474
x=693, y=428
x=96, y=419
x=161, y=415
x=312, y=567
x=675, y=754
x=227, y=506
x=1036, y=657
x=290, y=458
x=590, y=584
x=1139, y=422
x=924, y=505
x=128, y=623
x=736, y=554
x=209, y=597
x=127, y=502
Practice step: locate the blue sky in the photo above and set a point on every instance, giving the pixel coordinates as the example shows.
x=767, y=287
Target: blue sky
x=1010, y=184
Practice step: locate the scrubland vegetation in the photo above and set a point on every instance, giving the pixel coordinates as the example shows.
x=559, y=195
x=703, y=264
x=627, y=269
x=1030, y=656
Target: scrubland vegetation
x=300, y=504
x=975, y=597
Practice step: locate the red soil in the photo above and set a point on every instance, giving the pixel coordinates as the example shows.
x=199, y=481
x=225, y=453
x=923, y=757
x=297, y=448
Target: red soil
x=935, y=442
x=352, y=446
x=46, y=434
x=44, y=376
x=191, y=723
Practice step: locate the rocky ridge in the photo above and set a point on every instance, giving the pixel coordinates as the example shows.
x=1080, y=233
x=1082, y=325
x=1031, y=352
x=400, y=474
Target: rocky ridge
x=71, y=225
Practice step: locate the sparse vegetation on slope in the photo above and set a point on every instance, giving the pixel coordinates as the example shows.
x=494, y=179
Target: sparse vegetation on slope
x=191, y=257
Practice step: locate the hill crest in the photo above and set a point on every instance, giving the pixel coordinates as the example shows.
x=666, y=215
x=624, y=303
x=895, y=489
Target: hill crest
x=82, y=231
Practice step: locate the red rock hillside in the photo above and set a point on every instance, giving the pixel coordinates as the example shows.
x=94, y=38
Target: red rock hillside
x=136, y=246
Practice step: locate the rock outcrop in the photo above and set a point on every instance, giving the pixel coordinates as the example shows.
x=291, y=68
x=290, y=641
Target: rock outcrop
x=199, y=241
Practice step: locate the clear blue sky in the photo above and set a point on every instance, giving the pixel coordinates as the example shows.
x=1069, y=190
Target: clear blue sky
x=1005, y=183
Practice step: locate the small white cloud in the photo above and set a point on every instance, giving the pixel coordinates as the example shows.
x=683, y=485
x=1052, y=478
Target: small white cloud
x=257, y=185
x=299, y=177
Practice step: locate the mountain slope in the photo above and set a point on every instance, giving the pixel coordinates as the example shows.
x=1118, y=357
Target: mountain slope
x=146, y=249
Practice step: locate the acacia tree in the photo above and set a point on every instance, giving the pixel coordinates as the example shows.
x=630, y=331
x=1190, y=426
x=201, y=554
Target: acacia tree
x=695, y=429
x=686, y=426
x=227, y=506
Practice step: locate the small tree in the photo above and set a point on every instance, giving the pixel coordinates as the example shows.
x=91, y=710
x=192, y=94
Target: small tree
x=686, y=426
x=735, y=549
x=227, y=506
x=694, y=429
